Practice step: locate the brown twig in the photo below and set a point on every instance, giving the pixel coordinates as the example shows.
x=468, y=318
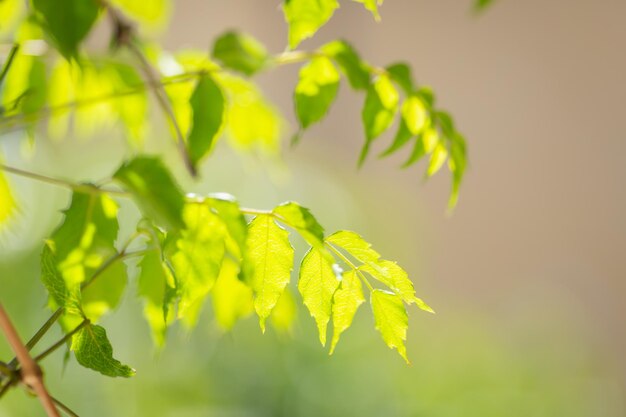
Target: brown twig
x=30, y=373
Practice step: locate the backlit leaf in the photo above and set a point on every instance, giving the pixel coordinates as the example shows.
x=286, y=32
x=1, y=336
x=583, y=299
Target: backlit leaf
x=316, y=90
x=301, y=219
x=231, y=298
x=10, y=12
x=414, y=114
x=391, y=319
x=155, y=282
x=317, y=285
x=372, y=6
x=271, y=255
x=227, y=208
x=60, y=294
x=400, y=73
x=357, y=72
x=305, y=17
x=355, y=245
x=150, y=14
x=7, y=202
x=240, y=52
x=208, y=108
x=197, y=258
x=154, y=190
x=105, y=293
x=346, y=301
x=67, y=22
x=284, y=313
x=403, y=136
x=94, y=351
x=381, y=105
x=437, y=159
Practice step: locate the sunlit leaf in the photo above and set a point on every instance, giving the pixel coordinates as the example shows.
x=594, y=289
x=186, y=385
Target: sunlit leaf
x=379, y=110
x=305, y=17
x=94, y=351
x=346, y=301
x=372, y=6
x=7, y=201
x=197, y=258
x=10, y=13
x=132, y=109
x=414, y=114
x=252, y=122
x=240, y=52
x=437, y=159
x=154, y=190
x=67, y=22
x=316, y=90
x=301, y=219
x=155, y=282
x=227, y=208
x=271, y=255
x=403, y=136
x=60, y=294
x=208, y=108
x=391, y=319
x=284, y=313
x=457, y=163
x=357, y=72
x=231, y=298
x=317, y=285
x=400, y=73
x=355, y=245
x=105, y=293
x=151, y=14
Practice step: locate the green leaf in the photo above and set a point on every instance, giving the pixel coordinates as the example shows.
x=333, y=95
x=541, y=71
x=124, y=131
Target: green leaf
x=457, y=164
x=67, y=22
x=154, y=190
x=10, y=13
x=227, y=208
x=305, y=17
x=271, y=256
x=301, y=219
x=60, y=294
x=381, y=105
x=437, y=159
x=155, y=283
x=316, y=90
x=317, y=285
x=391, y=319
x=231, y=298
x=105, y=293
x=208, y=108
x=355, y=245
x=357, y=72
x=396, y=278
x=481, y=5
x=414, y=114
x=372, y=6
x=86, y=237
x=151, y=15
x=240, y=52
x=94, y=351
x=417, y=153
x=284, y=313
x=7, y=202
x=197, y=258
x=400, y=73
x=403, y=136
x=346, y=302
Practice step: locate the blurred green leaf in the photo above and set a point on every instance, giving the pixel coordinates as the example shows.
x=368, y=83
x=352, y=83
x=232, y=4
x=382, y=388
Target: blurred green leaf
x=271, y=255
x=437, y=159
x=105, y=293
x=403, y=136
x=346, y=301
x=155, y=282
x=379, y=110
x=231, y=298
x=150, y=14
x=316, y=90
x=414, y=114
x=317, y=285
x=372, y=6
x=240, y=52
x=154, y=190
x=227, y=208
x=391, y=319
x=60, y=294
x=208, y=108
x=400, y=73
x=67, y=22
x=10, y=13
x=357, y=72
x=480, y=5
x=305, y=17
x=94, y=351
x=284, y=313
x=7, y=202
x=197, y=258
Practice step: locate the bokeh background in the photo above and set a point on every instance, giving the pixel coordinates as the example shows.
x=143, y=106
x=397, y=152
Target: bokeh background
x=528, y=276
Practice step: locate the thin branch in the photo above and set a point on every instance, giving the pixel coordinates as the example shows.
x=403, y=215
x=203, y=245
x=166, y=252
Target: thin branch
x=61, y=342
x=83, y=188
x=65, y=408
x=30, y=372
x=9, y=61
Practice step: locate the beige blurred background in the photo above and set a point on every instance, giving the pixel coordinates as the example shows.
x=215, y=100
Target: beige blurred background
x=533, y=261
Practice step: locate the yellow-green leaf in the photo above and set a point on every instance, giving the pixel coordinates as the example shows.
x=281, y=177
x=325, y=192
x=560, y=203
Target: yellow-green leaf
x=231, y=298
x=379, y=110
x=240, y=52
x=317, y=285
x=301, y=219
x=271, y=256
x=357, y=71
x=372, y=6
x=284, y=313
x=391, y=319
x=437, y=159
x=305, y=17
x=7, y=202
x=346, y=301
x=354, y=244
x=316, y=90
x=208, y=108
x=414, y=114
